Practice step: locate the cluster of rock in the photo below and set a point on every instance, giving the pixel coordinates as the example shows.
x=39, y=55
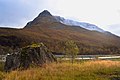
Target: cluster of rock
x=36, y=54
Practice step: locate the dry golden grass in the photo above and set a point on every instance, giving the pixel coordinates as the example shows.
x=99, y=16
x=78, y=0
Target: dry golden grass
x=90, y=70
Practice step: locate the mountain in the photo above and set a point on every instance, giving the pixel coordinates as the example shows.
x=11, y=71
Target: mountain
x=50, y=18
x=87, y=26
x=43, y=17
x=53, y=33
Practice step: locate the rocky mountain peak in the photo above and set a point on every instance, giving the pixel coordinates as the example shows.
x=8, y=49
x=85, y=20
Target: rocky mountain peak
x=45, y=13
x=43, y=17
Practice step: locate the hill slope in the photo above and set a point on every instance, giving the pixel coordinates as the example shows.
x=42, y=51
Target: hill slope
x=45, y=28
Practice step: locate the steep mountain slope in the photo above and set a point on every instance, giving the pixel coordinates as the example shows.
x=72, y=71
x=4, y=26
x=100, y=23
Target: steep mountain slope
x=45, y=28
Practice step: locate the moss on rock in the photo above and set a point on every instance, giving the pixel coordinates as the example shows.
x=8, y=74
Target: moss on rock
x=37, y=54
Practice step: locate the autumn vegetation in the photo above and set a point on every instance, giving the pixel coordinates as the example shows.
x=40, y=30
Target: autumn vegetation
x=90, y=70
x=89, y=42
x=71, y=50
x=59, y=39
x=65, y=70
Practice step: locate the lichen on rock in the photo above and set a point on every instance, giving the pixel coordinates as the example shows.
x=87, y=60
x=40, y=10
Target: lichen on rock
x=37, y=54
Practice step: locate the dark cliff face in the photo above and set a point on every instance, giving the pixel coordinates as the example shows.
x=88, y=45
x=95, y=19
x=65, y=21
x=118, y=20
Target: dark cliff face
x=43, y=17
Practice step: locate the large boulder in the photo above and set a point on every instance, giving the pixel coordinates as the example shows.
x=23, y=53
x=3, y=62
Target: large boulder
x=35, y=54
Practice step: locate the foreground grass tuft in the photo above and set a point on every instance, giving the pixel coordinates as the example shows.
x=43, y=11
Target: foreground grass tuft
x=90, y=70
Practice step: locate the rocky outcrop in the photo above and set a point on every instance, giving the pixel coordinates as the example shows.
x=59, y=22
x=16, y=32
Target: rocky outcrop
x=12, y=62
x=36, y=54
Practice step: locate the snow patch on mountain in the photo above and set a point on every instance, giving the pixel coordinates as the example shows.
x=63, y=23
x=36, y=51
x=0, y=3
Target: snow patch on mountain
x=87, y=26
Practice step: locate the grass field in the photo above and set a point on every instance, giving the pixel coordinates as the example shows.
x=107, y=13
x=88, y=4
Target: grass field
x=88, y=70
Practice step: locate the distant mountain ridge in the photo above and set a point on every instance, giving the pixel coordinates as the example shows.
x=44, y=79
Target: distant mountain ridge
x=62, y=20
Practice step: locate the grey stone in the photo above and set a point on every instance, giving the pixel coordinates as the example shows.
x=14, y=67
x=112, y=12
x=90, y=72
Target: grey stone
x=30, y=55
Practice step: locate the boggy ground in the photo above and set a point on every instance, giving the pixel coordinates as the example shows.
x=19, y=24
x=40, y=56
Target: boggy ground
x=88, y=70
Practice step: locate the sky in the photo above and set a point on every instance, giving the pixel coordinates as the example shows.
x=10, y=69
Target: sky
x=103, y=13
